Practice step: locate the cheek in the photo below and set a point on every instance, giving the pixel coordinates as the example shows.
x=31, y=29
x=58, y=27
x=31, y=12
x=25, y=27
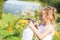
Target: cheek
x=44, y=20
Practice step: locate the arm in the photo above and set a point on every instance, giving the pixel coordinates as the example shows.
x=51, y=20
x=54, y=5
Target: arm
x=36, y=31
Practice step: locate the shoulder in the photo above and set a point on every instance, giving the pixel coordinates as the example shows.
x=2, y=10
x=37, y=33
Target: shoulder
x=28, y=30
x=51, y=27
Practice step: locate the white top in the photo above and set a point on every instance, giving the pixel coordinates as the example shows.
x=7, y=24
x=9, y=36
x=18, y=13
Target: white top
x=43, y=28
x=28, y=33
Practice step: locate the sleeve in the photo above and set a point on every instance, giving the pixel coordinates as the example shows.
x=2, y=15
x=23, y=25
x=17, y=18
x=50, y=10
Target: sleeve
x=27, y=34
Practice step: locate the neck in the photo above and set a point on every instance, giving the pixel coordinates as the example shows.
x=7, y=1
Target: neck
x=47, y=23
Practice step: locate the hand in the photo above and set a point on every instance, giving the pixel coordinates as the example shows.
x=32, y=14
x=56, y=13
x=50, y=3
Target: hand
x=31, y=24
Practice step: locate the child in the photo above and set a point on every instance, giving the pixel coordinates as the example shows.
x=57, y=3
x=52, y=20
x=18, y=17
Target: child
x=46, y=29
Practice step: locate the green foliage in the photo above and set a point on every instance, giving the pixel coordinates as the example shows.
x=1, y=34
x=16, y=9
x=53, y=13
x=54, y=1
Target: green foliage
x=58, y=18
x=37, y=15
x=55, y=3
x=1, y=6
x=50, y=2
x=10, y=28
x=29, y=0
x=55, y=38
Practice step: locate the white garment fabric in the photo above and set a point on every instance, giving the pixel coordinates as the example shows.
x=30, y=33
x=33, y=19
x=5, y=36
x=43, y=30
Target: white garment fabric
x=28, y=33
x=43, y=28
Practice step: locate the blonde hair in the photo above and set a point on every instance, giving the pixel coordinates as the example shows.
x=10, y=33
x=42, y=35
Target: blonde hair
x=49, y=13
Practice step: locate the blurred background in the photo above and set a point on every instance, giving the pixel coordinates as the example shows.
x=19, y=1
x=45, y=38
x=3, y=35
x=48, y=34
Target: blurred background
x=13, y=15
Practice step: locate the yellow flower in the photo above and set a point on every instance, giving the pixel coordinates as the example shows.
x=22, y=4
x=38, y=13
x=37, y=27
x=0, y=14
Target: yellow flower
x=9, y=29
x=57, y=34
x=23, y=21
x=6, y=24
x=20, y=21
x=21, y=27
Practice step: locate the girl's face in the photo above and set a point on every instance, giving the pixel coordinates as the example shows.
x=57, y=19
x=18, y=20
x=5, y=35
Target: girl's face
x=44, y=20
x=48, y=15
x=45, y=16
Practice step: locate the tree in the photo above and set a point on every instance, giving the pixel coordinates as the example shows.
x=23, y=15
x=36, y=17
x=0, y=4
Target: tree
x=1, y=6
x=55, y=3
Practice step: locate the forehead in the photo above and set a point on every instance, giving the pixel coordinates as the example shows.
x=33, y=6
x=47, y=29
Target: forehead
x=45, y=11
